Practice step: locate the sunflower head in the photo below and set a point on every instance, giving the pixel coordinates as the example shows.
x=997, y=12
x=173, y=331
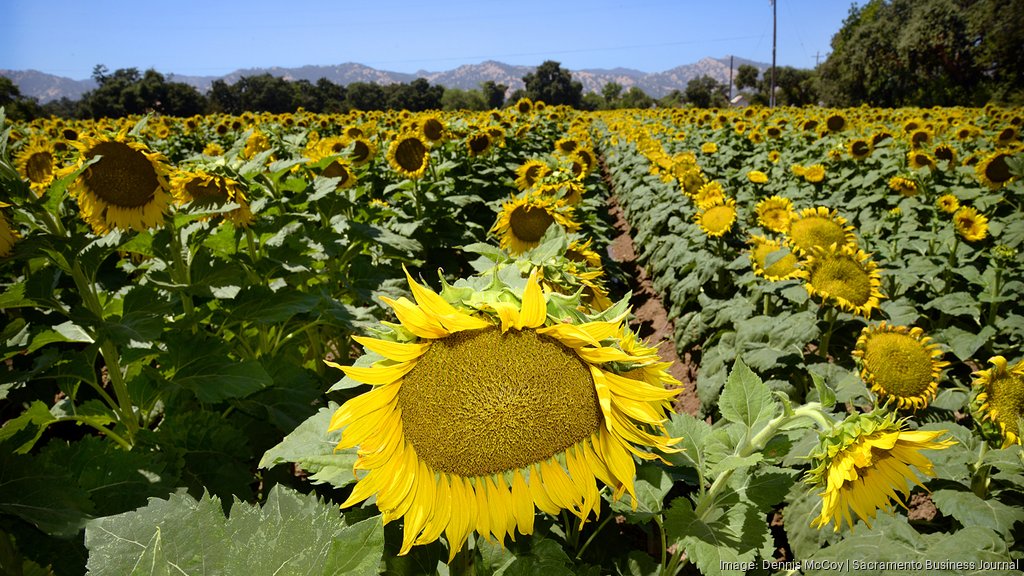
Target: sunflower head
x=993, y=171
x=773, y=261
x=709, y=194
x=946, y=153
x=709, y=148
x=970, y=224
x=814, y=174
x=757, y=177
x=860, y=148
x=530, y=172
x=478, y=143
x=775, y=213
x=819, y=227
x=524, y=221
x=948, y=203
x=863, y=462
x=904, y=186
x=1000, y=397
x=37, y=163
x=917, y=159
x=432, y=129
x=484, y=407
x=717, y=217
x=256, y=142
x=125, y=188
x=845, y=277
x=900, y=363
x=409, y=156
x=524, y=106
x=209, y=192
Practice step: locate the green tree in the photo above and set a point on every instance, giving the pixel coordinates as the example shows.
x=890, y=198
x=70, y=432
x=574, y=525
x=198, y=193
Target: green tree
x=611, y=92
x=706, y=92
x=15, y=105
x=458, y=99
x=746, y=76
x=550, y=83
x=635, y=98
x=365, y=96
x=494, y=94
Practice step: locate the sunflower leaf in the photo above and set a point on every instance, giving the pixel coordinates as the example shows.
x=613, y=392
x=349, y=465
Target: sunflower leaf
x=720, y=538
x=311, y=446
x=970, y=510
x=746, y=398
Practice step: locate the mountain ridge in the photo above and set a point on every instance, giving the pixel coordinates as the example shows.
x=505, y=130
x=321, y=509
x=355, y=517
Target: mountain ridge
x=47, y=87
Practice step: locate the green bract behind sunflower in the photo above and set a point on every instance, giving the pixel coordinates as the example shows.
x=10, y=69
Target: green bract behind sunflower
x=488, y=402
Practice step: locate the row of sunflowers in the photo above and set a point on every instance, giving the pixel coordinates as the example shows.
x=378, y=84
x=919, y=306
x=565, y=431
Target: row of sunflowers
x=178, y=294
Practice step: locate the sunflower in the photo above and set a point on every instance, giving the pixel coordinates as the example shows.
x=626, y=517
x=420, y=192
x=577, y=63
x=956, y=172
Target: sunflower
x=709, y=194
x=340, y=169
x=566, y=145
x=845, y=277
x=860, y=148
x=945, y=153
x=863, y=462
x=948, y=203
x=835, y=122
x=212, y=191
x=772, y=261
x=775, y=213
x=478, y=144
x=126, y=188
x=818, y=227
x=905, y=186
x=409, y=156
x=7, y=234
x=917, y=159
x=361, y=149
x=900, y=363
x=524, y=106
x=36, y=163
x=691, y=180
x=717, y=217
x=256, y=142
x=970, y=225
x=484, y=409
x=586, y=157
x=523, y=221
x=757, y=177
x=814, y=174
x=213, y=149
x=1001, y=396
x=993, y=171
x=432, y=129
x=530, y=172
x=709, y=148
x=774, y=156
x=798, y=170
x=580, y=251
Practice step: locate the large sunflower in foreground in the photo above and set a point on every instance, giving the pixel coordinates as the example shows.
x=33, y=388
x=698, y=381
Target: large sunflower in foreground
x=484, y=408
x=1001, y=396
x=523, y=221
x=864, y=462
x=845, y=277
x=126, y=188
x=409, y=156
x=900, y=363
x=818, y=228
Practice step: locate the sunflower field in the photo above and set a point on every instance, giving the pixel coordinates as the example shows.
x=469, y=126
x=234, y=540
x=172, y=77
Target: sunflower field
x=396, y=343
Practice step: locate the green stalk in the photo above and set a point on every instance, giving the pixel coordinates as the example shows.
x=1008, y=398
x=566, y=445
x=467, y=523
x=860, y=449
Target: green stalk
x=993, y=306
x=605, y=523
x=979, y=480
x=827, y=336
x=183, y=275
x=250, y=241
x=105, y=431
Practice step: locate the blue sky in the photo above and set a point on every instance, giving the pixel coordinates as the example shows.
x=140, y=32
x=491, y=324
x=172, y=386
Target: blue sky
x=69, y=37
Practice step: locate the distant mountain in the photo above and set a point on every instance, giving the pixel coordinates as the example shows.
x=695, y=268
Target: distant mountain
x=47, y=87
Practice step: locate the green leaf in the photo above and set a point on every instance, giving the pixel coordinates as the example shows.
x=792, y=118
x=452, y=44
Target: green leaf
x=28, y=427
x=203, y=365
x=722, y=539
x=970, y=510
x=964, y=343
x=826, y=395
x=693, y=431
x=290, y=534
x=311, y=446
x=652, y=485
x=746, y=399
x=765, y=487
x=43, y=494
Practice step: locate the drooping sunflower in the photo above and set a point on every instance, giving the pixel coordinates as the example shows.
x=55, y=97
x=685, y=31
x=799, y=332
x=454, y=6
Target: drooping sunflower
x=948, y=203
x=37, y=164
x=709, y=148
x=716, y=218
x=862, y=464
x=211, y=191
x=126, y=188
x=8, y=235
x=580, y=250
x=970, y=224
x=757, y=177
x=775, y=213
x=773, y=261
x=523, y=221
x=993, y=171
x=530, y=172
x=819, y=227
x=409, y=156
x=845, y=277
x=814, y=174
x=905, y=186
x=484, y=409
x=1001, y=396
x=900, y=363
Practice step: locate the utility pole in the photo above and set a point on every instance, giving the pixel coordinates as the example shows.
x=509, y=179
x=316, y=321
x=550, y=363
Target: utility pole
x=771, y=95
x=817, y=58
x=730, y=79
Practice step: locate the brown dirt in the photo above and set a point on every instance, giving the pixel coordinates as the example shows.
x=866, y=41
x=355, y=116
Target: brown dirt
x=650, y=320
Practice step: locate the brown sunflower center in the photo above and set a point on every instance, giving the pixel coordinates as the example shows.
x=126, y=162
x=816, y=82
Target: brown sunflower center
x=481, y=402
x=816, y=231
x=860, y=148
x=336, y=170
x=899, y=364
x=39, y=166
x=207, y=193
x=411, y=154
x=997, y=171
x=841, y=277
x=433, y=129
x=529, y=223
x=478, y=143
x=124, y=177
x=360, y=151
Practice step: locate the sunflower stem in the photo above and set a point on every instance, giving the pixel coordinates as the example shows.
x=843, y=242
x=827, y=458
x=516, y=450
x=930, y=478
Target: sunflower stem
x=251, y=243
x=664, y=540
x=117, y=438
x=827, y=336
x=979, y=480
x=952, y=263
x=993, y=306
x=598, y=531
x=181, y=269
